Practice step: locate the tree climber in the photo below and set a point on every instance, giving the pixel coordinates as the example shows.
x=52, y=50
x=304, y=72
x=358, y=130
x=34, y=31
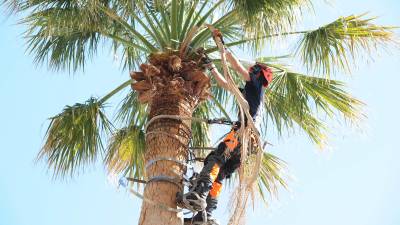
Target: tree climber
x=222, y=162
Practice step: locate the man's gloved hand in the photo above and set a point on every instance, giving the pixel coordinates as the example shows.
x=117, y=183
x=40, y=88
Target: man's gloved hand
x=216, y=33
x=210, y=66
x=237, y=125
x=207, y=62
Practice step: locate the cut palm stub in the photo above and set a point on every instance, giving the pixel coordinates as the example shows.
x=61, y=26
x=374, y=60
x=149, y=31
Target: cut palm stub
x=169, y=71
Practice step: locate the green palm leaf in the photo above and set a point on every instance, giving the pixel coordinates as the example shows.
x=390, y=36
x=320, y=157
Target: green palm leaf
x=74, y=137
x=131, y=112
x=200, y=131
x=265, y=17
x=274, y=15
x=333, y=46
x=65, y=37
x=125, y=152
x=296, y=98
x=272, y=175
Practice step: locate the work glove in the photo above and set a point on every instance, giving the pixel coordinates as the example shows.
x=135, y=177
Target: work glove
x=210, y=66
x=207, y=62
x=237, y=125
x=216, y=33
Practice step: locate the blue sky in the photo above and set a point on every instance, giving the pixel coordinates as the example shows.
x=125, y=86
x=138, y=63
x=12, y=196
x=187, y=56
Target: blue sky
x=355, y=181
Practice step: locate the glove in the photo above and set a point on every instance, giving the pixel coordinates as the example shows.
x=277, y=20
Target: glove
x=207, y=63
x=217, y=33
x=237, y=125
x=210, y=66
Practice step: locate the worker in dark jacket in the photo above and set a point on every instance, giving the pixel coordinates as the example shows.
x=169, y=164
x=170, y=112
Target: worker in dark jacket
x=222, y=162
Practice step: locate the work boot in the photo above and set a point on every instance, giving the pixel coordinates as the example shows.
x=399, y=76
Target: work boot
x=195, y=199
x=199, y=219
x=207, y=219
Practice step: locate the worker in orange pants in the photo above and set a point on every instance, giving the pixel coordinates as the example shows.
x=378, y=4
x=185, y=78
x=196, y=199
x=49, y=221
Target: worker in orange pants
x=218, y=165
x=222, y=162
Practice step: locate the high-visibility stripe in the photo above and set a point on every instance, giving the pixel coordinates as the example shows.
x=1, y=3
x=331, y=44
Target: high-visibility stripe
x=231, y=141
x=215, y=189
x=214, y=172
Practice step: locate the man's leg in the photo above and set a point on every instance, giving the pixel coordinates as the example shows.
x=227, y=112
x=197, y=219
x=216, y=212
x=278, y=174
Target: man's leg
x=226, y=171
x=212, y=199
x=195, y=199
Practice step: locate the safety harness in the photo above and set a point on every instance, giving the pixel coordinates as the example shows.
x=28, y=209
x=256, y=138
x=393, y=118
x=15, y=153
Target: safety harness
x=178, y=181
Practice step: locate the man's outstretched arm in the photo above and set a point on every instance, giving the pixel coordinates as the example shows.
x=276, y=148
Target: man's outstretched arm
x=218, y=77
x=237, y=66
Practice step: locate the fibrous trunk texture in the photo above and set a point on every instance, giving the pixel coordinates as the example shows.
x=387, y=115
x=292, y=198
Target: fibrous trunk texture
x=170, y=87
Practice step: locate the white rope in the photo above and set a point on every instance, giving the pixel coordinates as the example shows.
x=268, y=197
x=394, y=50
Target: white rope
x=164, y=178
x=124, y=183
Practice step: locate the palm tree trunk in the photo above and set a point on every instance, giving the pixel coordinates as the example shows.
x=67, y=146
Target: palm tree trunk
x=171, y=86
x=167, y=138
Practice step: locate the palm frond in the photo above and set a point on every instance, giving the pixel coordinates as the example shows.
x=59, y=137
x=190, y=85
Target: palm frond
x=272, y=175
x=264, y=17
x=125, y=152
x=220, y=95
x=227, y=24
x=147, y=41
x=74, y=137
x=281, y=117
x=217, y=104
x=188, y=19
x=296, y=98
x=64, y=37
x=131, y=112
x=335, y=45
x=11, y=6
x=200, y=131
x=155, y=27
x=67, y=34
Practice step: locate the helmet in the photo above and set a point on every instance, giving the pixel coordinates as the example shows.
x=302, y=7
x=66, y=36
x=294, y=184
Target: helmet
x=262, y=70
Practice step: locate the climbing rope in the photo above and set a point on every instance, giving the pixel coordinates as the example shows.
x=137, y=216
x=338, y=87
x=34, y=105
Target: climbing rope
x=185, y=181
x=203, y=148
x=164, y=178
x=178, y=181
x=124, y=183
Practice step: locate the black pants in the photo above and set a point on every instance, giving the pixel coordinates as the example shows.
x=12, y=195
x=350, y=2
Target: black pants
x=218, y=165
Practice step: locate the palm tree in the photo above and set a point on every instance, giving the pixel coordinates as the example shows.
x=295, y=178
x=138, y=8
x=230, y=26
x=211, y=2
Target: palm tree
x=160, y=40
